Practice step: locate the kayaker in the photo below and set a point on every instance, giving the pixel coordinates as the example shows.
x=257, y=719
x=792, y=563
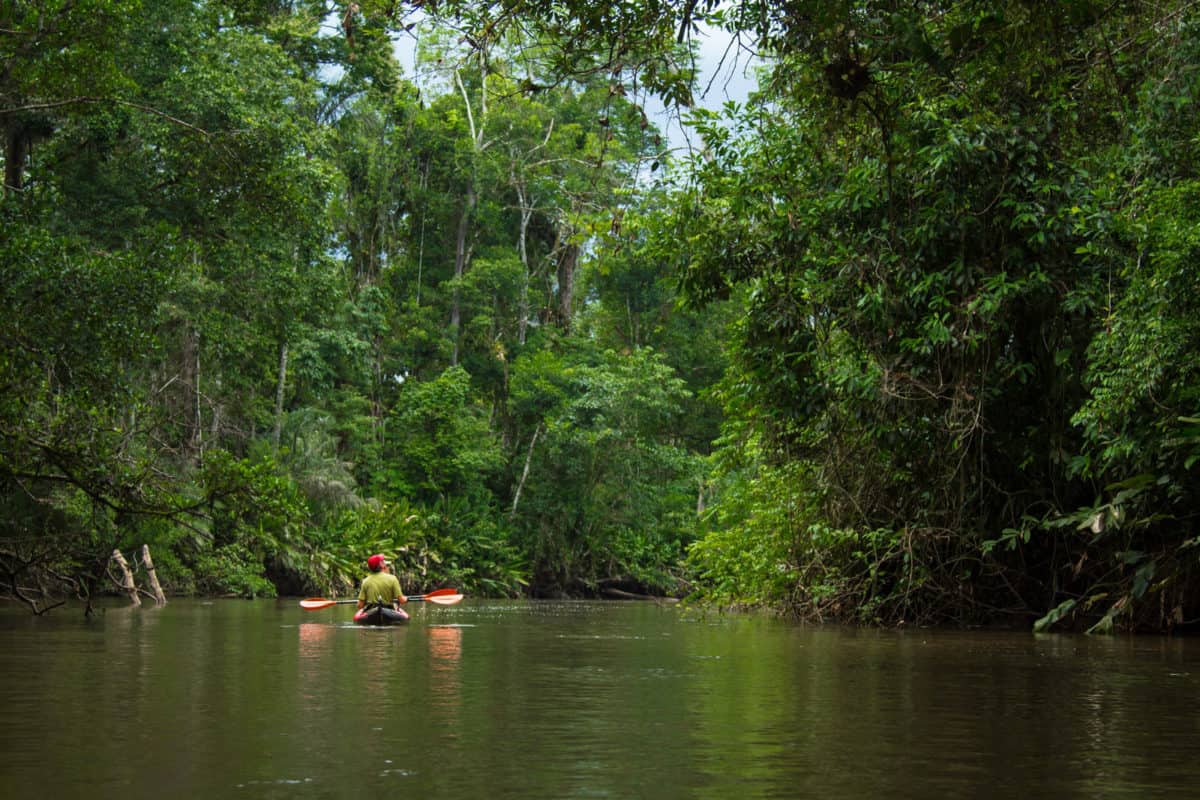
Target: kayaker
x=381, y=586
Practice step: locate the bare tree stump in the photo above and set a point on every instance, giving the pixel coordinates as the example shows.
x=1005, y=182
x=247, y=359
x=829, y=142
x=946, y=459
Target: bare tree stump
x=127, y=584
x=159, y=597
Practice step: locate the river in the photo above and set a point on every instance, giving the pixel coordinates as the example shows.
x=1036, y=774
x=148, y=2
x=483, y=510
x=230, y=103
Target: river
x=541, y=700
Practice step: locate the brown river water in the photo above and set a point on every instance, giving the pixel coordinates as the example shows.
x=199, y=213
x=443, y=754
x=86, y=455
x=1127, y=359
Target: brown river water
x=514, y=699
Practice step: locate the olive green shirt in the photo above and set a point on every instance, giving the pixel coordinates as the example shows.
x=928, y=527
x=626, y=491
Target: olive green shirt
x=381, y=587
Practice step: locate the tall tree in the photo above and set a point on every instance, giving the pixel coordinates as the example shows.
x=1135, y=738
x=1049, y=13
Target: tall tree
x=178, y=218
x=906, y=212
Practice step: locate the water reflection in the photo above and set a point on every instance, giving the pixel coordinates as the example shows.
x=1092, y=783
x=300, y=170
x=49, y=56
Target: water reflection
x=445, y=653
x=570, y=700
x=445, y=646
x=314, y=640
x=315, y=646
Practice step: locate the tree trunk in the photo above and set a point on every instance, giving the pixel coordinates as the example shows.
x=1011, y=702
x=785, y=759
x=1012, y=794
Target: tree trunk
x=460, y=268
x=525, y=471
x=279, y=386
x=620, y=594
x=568, y=259
x=523, y=250
x=199, y=429
x=159, y=597
x=16, y=150
x=190, y=400
x=127, y=584
x=461, y=254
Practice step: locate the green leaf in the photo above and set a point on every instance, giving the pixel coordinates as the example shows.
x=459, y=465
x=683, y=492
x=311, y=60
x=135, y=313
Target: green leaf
x=1054, y=615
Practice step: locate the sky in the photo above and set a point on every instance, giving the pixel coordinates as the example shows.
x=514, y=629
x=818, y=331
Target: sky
x=725, y=74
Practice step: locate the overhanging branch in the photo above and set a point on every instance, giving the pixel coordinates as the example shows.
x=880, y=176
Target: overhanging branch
x=49, y=104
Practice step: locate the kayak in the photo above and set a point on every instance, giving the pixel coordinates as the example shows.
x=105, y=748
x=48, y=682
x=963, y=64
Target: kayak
x=380, y=615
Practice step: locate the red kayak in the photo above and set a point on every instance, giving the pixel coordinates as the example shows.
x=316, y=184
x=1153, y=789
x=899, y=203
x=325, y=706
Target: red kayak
x=380, y=615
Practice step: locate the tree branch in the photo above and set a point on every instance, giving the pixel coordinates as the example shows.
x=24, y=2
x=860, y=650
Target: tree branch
x=49, y=104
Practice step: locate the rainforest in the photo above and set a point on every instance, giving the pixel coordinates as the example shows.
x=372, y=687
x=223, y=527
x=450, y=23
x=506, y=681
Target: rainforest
x=908, y=335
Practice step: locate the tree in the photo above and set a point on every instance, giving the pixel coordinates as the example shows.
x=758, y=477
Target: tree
x=55, y=63
x=608, y=497
x=906, y=215
x=439, y=444
x=167, y=242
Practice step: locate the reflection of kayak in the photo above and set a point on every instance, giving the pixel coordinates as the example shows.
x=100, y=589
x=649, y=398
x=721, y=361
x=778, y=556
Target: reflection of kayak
x=380, y=615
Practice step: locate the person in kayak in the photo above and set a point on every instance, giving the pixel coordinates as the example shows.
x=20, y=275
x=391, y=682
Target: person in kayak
x=381, y=586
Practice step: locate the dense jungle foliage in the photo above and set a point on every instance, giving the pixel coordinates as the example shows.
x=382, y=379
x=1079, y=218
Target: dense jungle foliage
x=910, y=337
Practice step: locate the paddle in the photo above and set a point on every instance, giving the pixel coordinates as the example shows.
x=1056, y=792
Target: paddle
x=442, y=597
x=313, y=603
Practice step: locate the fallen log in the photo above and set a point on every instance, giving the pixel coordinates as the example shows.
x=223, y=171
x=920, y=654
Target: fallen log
x=620, y=594
x=127, y=584
x=159, y=597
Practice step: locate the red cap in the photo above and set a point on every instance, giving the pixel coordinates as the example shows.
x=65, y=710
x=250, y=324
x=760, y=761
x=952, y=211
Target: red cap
x=376, y=562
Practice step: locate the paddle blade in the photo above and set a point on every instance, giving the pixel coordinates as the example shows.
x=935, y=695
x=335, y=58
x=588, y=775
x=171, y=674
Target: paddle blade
x=320, y=602
x=434, y=595
x=444, y=599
